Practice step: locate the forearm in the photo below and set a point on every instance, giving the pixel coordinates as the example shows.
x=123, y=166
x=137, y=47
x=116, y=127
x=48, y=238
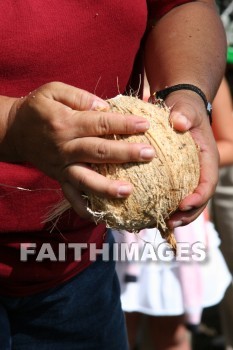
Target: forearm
x=223, y=123
x=225, y=151
x=187, y=46
x=6, y=104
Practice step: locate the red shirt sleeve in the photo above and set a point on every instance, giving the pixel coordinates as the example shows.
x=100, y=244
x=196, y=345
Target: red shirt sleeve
x=158, y=8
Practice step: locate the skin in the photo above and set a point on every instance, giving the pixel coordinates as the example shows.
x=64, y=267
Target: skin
x=61, y=122
x=58, y=128
x=223, y=123
x=191, y=53
x=164, y=333
x=170, y=333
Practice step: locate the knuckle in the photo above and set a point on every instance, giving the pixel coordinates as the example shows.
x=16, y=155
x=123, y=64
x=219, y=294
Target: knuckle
x=133, y=151
x=48, y=86
x=102, y=151
x=81, y=181
x=53, y=85
x=129, y=125
x=69, y=173
x=55, y=126
x=81, y=99
x=61, y=124
x=103, y=124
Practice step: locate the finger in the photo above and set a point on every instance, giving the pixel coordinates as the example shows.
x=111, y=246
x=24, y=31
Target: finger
x=209, y=163
x=76, y=199
x=88, y=123
x=203, y=192
x=87, y=180
x=100, y=150
x=73, y=97
x=180, y=218
x=102, y=123
x=192, y=205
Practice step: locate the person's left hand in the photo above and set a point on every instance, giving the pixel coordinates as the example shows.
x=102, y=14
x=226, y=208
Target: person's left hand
x=188, y=113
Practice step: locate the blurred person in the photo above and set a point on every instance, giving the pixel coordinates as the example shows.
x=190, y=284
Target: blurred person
x=222, y=215
x=173, y=293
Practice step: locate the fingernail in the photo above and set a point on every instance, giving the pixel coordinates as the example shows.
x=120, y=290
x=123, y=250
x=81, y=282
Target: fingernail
x=182, y=119
x=142, y=126
x=186, y=208
x=99, y=105
x=176, y=224
x=147, y=153
x=124, y=191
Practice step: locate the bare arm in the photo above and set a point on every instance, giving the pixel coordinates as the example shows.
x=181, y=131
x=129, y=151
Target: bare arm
x=223, y=123
x=188, y=46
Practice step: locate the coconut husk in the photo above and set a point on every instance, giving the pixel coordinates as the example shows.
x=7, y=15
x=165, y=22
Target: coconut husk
x=159, y=185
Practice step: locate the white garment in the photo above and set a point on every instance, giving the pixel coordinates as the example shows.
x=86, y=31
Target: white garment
x=159, y=287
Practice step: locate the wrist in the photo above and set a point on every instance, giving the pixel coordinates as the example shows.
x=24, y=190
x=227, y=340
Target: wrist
x=185, y=88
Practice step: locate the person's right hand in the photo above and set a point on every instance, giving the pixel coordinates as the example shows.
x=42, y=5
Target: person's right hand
x=59, y=129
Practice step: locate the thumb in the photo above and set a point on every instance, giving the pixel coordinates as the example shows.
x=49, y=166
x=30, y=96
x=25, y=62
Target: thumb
x=186, y=112
x=182, y=116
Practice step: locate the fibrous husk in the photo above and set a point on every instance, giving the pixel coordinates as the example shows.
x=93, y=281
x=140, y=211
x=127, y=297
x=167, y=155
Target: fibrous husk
x=159, y=185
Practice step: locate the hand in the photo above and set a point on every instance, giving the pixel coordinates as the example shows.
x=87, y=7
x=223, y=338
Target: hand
x=59, y=129
x=188, y=113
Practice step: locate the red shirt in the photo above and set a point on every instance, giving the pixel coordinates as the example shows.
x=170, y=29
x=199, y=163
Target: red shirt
x=88, y=44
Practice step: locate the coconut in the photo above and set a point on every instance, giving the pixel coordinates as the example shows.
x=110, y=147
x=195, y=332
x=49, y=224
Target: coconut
x=159, y=185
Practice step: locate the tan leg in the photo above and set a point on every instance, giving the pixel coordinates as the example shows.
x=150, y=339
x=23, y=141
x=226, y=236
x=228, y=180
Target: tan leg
x=168, y=333
x=133, y=323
